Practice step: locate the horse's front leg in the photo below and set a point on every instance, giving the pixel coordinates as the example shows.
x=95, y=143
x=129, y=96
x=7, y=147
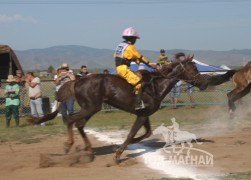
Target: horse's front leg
x=147, y=134
x=231, y=104
x=129, y=140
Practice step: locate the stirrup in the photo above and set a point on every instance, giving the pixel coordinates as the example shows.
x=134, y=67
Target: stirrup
x=140, y=106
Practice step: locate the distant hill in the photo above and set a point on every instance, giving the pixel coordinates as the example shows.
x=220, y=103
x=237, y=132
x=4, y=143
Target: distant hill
x=76, y=56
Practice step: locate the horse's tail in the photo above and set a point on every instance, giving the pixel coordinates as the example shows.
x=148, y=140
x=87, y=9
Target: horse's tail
x=66, y=91
x=219, y=79
x=45, y=118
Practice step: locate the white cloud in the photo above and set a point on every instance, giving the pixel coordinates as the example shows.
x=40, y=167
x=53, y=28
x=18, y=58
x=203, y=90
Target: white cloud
x=16, y=18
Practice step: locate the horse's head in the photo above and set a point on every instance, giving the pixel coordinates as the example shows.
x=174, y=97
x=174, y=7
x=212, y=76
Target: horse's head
x=187, y=71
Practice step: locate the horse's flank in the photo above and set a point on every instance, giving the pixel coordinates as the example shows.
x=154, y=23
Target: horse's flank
x=242, y=78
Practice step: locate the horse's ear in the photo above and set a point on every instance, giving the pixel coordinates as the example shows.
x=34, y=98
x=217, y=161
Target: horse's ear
x=192, y=57
x=189, y=58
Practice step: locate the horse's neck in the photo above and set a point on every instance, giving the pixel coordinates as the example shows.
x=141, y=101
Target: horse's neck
x=163, y=86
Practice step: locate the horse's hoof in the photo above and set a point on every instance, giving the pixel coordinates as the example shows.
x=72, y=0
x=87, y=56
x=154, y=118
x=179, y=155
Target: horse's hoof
x=67, y=147
x=116, y=161
x=231, y=115
x=88, y=149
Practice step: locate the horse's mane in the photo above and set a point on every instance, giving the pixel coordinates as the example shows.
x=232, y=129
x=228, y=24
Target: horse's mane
x=245, y=68
x=248, y=65
x=166, y=68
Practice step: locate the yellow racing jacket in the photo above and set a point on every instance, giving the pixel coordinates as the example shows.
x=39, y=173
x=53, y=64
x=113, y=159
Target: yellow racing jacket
x=125, y=53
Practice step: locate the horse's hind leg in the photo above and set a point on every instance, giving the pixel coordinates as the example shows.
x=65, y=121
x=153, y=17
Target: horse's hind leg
x=80, y=125
x=88, y=146
x=242, y=93
x=129, y=140
x=80, y=119
x=70, y=141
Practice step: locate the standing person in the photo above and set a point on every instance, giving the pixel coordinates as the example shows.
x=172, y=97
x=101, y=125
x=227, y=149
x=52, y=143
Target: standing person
x=190, y=94
x=12, y=100
x=54, y=104
x=174, y=94
x=84, y=72
x=126, y=53
x=20, y=79
x=35, y=95
x=162, y=59
x=106, y=71
x=66, y=107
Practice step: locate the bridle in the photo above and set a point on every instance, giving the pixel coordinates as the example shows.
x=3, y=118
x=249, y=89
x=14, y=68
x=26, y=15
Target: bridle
x=194, y=77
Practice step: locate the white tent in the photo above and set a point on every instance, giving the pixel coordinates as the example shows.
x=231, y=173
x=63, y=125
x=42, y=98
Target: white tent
x=202, y=67
x=208, y=69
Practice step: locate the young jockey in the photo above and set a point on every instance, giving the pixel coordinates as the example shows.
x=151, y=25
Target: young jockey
x=126, y=53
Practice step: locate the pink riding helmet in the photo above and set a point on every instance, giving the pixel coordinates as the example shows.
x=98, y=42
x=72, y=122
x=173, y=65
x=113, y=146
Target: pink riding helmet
x=130, y=32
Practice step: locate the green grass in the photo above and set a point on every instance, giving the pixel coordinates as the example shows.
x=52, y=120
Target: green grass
x=236, y=176
x=107, y=121
x=122, y=120
x=28, y=133
x=103, y=121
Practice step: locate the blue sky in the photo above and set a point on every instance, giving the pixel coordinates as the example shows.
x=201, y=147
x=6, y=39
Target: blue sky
x=168, y=24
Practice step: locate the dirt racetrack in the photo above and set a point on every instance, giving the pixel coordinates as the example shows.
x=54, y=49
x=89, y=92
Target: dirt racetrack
x=230, y=144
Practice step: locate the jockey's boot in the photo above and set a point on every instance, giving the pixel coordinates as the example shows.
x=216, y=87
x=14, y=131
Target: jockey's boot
x=139, y=104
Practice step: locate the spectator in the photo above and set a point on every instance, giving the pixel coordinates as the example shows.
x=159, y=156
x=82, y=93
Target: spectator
x=174, y=94
x=106, y=71
x=162, y=59
x=54, y=104
x=20, y=79
x=12, y=100
x=84, y=72
x=190, y=94
x=35, y=95
x=66, y=107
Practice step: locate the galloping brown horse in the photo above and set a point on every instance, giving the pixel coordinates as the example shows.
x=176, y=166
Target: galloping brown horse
x=241, y=80
x=92, y=91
